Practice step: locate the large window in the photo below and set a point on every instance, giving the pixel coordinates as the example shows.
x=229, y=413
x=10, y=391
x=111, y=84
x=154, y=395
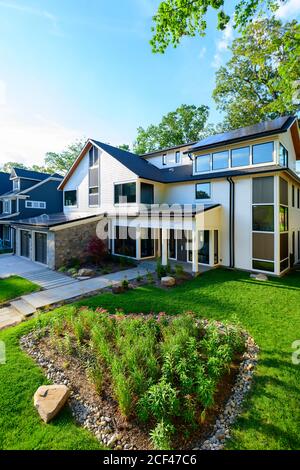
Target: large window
x=262, y=153
x=125, y=241
x=263, y=190
x=125, y=193
x=147, y=193
x=203, y=191
x=70, y=198
x=35, y=204
x=147, y=243
x=202, y=163
x=263, y=218
x=220, y=160
x=240, y=157
x=283, y=155
x=93, y=157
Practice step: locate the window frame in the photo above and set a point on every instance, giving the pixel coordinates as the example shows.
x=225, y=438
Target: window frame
x=7, y=201
x=177, y=156
x=71, y=191
x=123, y=184
x=164, y=159
x=40, y=204
x=16, y=184
x=240, y=148
x=218, y=153
x=210, y=191
x=95, y=151
x=259, y=145
x=286, y=156
x=209, y=163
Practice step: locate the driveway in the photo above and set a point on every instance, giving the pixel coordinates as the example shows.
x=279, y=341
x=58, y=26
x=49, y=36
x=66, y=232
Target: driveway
x=11, y=265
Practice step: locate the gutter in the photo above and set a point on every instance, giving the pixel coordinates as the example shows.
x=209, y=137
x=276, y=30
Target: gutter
x=231, y=222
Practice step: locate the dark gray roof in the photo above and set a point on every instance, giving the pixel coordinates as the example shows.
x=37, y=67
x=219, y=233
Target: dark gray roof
x=51, y=220
x=5, y=183
x=34, y=175
x=133, y=162
x=263, y=129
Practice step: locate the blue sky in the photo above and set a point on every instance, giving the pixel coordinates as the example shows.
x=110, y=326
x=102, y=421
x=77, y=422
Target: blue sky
x=76, y=68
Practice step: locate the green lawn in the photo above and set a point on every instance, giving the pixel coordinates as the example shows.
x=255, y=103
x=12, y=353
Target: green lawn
x=269, y=311
x=15, y=286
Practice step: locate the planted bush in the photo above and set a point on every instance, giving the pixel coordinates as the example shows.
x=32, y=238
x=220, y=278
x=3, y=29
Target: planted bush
x=162, y=371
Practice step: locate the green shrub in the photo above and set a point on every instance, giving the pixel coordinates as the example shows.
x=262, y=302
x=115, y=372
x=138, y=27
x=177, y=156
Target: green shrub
x=121, y=388
x=95, y=375
x=179, y=271
x=150, y=278
x=125, y=284
x=161, y=270
x=62, y=269
x=160, y=401
x=161, y=435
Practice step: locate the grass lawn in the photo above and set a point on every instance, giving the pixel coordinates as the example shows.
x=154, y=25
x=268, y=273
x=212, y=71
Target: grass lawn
x=15, y=286
x=269, y=311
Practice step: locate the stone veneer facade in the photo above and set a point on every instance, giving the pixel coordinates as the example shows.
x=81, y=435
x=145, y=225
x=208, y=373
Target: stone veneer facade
x=71, y=242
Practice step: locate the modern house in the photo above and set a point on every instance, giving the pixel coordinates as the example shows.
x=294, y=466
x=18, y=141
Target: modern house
x=232, y=199
x=5, y=186
x=28, y=195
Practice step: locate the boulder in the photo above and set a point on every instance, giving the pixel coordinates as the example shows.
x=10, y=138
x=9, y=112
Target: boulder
x=168, y=281
x=49, y=400
x=259, y=277
x=85, y=272
x=117, y=288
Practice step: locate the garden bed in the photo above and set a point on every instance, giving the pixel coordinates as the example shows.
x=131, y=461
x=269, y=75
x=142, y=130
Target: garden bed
x=145, y=381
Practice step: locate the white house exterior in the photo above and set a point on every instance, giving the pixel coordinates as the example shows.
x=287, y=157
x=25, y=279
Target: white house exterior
x=239, y=193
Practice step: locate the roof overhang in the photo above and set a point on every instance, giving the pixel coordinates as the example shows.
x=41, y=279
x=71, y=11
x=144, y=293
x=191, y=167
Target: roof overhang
x=295, y=133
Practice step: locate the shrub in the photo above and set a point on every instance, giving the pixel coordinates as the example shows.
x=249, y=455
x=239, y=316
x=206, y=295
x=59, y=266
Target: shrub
x=96, y=250
x=161, y=435
x=74, y=263
x=125, y=284
x=159, y=401
x=95, y=375
x=150, y=278
x=121, y=388
x=62, y=269
x=161, y=270
x=179, y=271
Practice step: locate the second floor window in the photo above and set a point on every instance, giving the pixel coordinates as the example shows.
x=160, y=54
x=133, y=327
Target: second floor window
x=202, y=163
x=164, y=159
x=16, y=185
x=220, y=160
x=6, y=207
x=240, y=157
x=177, y=157
x=203, y=191
x=283, y=155
x=262, y=153
x=35, y=205
x=70, y=198
x=125, y=193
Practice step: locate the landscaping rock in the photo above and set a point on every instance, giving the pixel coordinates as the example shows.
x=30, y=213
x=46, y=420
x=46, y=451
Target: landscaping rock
x=85, y=272
x=117, y=288
x=168, y=281
x=50, y=399
x=259, y=277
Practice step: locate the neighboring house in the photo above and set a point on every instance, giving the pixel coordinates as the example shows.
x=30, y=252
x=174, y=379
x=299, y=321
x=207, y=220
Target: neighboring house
x=241, y=186
x=5, y=186
x=30, y=194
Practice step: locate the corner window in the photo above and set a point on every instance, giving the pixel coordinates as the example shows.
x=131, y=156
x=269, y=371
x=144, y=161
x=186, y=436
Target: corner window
x=263, y=218
x=262, y=153
x=202, y=163
x=203, y=191
x=263, y=190
x=220, y=160
x=70, y=198
x=125, y=193
x=93, y=157
x=283, y=155
x=164, y=159
x=177, y=157
x=240, y=157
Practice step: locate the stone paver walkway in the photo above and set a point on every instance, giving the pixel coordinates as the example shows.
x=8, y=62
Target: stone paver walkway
x=28, y=304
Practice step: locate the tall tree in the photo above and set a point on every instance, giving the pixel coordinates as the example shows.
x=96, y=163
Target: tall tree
x=8, y=166
x=62, y=162
x=260, y=80
x=176, y=19
x=185, y=124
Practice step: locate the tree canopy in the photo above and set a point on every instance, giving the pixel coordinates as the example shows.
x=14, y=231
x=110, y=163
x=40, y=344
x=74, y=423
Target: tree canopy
x=8, y=166
x=185, y=124
x=259, y=81
x=62, y=162
x=176, y=19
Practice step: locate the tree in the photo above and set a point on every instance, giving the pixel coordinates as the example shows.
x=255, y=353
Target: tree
x=8, y=166
x=62, y=162
x=186, y=124
x=176, y=19
x=124, y=147
x=258, y=83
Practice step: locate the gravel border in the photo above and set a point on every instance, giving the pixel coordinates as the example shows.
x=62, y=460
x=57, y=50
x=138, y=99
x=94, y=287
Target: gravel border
x=104, y=427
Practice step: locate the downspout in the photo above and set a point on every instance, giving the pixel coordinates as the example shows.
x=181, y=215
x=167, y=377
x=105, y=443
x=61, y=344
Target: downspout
x=231, y=222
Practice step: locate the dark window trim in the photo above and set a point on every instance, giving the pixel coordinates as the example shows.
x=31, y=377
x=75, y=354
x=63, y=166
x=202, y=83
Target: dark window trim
x=293, y=196
x=257, y=145
x=202, y=198
x=287, y=155
x=210, y=162
x=71, y=191
x=123, y=184
x=177, y=156
x=164, y=159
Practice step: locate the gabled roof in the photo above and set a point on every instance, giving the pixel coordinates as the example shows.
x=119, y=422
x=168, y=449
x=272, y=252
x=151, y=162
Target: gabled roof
x=34, y=175
x=167, y=149
x=5, y=183
x=263, y=129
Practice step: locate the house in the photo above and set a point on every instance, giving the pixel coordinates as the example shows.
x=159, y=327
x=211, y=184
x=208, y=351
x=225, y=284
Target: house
x=5, y=186
x=29, y=194
x=232, y=199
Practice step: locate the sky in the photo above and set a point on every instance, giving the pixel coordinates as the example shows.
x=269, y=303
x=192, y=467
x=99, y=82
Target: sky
x=72, y=69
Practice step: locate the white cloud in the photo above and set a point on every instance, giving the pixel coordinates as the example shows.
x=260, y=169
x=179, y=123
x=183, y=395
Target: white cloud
x=202, y=52
x=26, y=140
x=222, y=46
x=289, y=9
x=26, y=9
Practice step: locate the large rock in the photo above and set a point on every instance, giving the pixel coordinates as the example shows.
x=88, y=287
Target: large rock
x=50, y=399
x=85, y=272
x=259, y=277
x=168, y=281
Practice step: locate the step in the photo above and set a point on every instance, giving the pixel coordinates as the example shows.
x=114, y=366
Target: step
x=9, y=317
x=23, y=307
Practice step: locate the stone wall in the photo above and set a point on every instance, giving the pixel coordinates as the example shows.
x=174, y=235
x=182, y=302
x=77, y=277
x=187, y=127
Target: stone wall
x=72, y=242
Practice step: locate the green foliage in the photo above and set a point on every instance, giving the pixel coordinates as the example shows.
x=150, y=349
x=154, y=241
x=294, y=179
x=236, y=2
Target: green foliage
x=62, y=162
x=95, y=375
x=15, y=286
x=161, y=435
x=149, y=277
x=125, y=284
x=176, y=19
x=185, y=124
x=160, y=401
x=259, y=82
x=161, y=270
x=179, y=271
